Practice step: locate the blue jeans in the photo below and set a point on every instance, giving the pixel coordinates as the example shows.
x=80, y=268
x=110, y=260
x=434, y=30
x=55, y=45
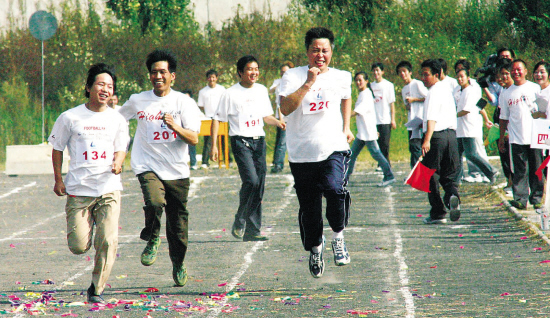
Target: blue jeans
x=192, y=155
x=468, y=148
x=372, y=146
x=280, y=149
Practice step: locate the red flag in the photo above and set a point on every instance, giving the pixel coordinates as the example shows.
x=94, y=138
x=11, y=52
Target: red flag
x=420, y=176
x=542, y=166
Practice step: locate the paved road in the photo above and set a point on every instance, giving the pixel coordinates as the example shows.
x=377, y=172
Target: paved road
x=485, y=265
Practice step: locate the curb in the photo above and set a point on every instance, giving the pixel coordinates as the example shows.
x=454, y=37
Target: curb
x=520, y=217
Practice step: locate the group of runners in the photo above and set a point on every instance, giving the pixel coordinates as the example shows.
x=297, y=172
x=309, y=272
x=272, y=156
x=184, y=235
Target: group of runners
x=315, y=101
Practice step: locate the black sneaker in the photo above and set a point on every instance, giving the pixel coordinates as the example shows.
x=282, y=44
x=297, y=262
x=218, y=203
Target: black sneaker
x=149, y=254
x=92, y=297
x=317, y=263
x=237, y=233
x=518, y=205
x=251, y=238
x=454, y=207
x=179, y=273
x=429, y=220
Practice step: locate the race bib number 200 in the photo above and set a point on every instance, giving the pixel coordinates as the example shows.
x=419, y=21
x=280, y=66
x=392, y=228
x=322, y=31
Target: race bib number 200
x=315, y=102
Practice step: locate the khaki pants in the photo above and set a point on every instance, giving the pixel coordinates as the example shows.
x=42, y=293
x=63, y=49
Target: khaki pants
x=82, y=214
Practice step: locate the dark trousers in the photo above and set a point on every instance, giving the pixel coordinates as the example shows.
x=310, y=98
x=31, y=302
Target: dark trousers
x=280, y=149
x=415, y=148
x=384, y=134
x=443, y=157
x=172, y=196
x=249, y=155
x=525, y=162
x=505, y=160
x=206, y=150
x=312, y=181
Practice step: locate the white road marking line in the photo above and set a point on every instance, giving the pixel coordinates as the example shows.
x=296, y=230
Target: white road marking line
x=403, y=275
x=20, y=233
x=248, y=256
x=32, y=184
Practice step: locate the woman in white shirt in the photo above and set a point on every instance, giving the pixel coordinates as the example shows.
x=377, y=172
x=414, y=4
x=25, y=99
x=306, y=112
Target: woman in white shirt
x=367, y=135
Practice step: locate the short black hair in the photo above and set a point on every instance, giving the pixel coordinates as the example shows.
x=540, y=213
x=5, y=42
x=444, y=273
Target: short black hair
x=434, y=65
x=443, y=65
x=188, y=92
x=365, y=76
x=543, y=63
x=405, y=64
x=377, y=64
x=241, y=63
x=211, y=72
x=503, y=63
x=94, y=71
x=319, y=33
x=465, y=66
x=519, y=61
x=162, y=55
x=504, y=49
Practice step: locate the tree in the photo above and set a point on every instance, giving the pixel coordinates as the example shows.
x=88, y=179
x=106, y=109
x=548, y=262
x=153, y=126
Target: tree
x=530, y=18
x=358, y=12
x=163, y=15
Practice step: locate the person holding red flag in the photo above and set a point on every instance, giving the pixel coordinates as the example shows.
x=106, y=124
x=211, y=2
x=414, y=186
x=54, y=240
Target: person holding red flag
x=440, y=147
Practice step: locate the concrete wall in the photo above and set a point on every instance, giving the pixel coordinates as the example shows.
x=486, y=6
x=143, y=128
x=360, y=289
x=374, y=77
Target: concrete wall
x=215, y=11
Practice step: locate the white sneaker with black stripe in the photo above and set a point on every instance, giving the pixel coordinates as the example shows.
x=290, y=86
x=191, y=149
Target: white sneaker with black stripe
x=340, y=251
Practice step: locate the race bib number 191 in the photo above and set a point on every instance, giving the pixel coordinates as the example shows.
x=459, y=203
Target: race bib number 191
x=315, y=102
x=248, y=121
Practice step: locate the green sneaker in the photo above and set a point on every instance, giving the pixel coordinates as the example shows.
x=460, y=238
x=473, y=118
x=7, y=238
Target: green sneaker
x=516, y=204
x=179, y=273
x=149, y=255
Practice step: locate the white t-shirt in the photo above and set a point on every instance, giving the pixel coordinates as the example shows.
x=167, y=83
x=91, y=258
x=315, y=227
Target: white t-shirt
x=451, y=82
x=439, y=106
x=209, y=98
x=316, y=128
x=515, y=106
x=544, y=98
x=384, y=95
x=156, y=147
x=471, y=124
x=277, y=86
x=415, y=89
x=244, y=109
x=366, y=116
x=92, y=139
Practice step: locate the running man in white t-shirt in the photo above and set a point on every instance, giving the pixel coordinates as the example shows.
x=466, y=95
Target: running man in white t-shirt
x=316, y=101
x=384, y=102
x=168, y=121
x=97, y=137
x=209, y=98
x=414, y=92
x=517, y=104
x=246, y=106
